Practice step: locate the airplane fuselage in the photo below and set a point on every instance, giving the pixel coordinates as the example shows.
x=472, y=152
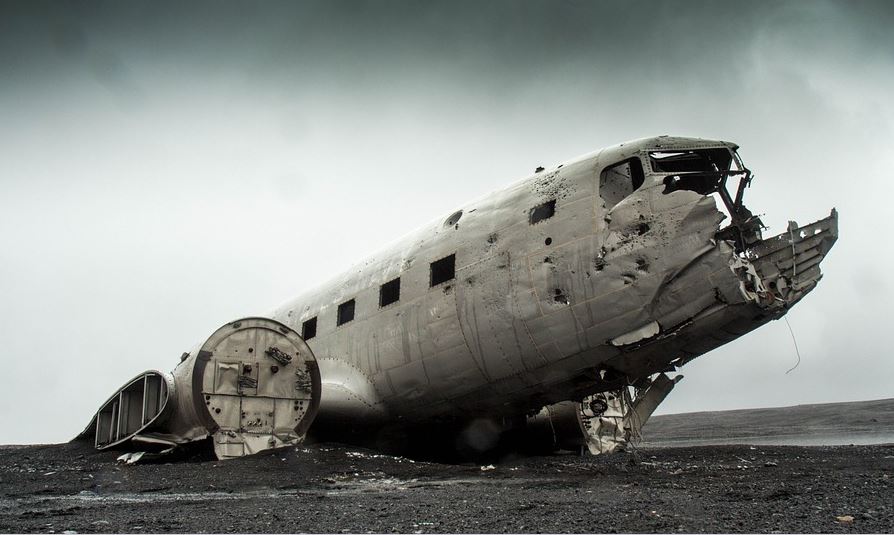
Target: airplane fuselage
x=594, y=276
x=547, y=277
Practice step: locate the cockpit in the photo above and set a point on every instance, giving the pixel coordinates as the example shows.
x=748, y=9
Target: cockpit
x=706, y=171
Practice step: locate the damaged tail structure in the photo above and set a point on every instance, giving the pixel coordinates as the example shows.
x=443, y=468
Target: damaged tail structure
x=253, y=385
x=556, y=309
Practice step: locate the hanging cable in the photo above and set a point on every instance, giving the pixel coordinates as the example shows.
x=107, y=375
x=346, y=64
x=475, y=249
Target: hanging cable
x=797, y=352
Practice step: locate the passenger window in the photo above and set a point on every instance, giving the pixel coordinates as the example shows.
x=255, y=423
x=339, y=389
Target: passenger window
x=389, y=292
x=620, y=180
x=309, y=328
x=345, y=312
x=443, y=270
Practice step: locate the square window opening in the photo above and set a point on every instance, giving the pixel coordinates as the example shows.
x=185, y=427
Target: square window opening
x=443, y=270
x=542, y=211
x=345, y=312
x=309, y=328
x=389, y=292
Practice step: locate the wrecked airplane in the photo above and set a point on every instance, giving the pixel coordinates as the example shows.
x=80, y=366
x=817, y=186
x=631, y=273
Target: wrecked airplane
x=549, y=313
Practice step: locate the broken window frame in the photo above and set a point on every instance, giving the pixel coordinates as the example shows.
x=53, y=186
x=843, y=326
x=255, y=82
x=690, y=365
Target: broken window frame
x=745, y=227
x=691, y=160
x=389, y=291
x=344, y=310
x=440, y=268
x=309, y=328
x=637, y=178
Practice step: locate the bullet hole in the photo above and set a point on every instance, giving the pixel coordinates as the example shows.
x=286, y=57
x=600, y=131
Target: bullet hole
x=251, y=350
x=560, y=297
x=548, y=260
x=274, y=369
x=492, y=239
x=217, y=410
x=641, y=264
x=246, y=369
x=549, y=241
x=541, y=212
x=642, y=228
x=539, y=169
x=207, y=397
x=599, y=263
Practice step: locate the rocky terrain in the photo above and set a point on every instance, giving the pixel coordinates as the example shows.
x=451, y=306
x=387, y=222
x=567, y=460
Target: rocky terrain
x=336, y=488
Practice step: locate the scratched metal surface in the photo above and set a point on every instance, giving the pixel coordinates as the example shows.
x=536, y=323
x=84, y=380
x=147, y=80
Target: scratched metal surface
x=531, y=311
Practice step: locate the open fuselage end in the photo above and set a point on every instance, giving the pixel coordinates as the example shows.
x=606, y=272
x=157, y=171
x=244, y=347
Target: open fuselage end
x=592, y=276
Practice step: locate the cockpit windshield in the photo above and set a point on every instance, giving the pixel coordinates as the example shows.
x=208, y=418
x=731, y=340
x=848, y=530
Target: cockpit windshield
x=690, y=161
x=699, y=170
x=707, y=171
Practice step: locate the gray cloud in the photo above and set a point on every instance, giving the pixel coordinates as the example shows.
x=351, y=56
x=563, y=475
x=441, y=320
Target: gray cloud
x=152, y=155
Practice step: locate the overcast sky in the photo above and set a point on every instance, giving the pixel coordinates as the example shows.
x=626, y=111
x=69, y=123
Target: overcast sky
x=165, y=169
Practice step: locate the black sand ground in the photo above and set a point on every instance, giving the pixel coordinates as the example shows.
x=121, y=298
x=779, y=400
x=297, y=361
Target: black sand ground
x=664, y=487
x=332, y=488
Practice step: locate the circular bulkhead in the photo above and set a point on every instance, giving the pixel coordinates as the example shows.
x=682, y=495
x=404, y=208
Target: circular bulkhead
x=256, y=385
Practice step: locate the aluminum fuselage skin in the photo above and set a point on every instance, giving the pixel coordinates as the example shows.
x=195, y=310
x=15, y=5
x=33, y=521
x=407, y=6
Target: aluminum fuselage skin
x=531, y=313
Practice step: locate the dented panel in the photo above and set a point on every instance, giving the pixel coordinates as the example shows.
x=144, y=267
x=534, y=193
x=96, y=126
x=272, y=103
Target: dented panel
x=584, y=279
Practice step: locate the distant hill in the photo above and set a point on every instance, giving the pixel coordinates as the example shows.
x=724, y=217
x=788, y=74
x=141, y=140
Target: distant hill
x=827, y=423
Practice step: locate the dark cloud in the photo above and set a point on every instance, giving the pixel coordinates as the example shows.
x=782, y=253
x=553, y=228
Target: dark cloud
x=142, y=140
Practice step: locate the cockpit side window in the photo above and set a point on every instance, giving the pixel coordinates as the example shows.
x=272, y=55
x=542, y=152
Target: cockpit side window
x=620, y=180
